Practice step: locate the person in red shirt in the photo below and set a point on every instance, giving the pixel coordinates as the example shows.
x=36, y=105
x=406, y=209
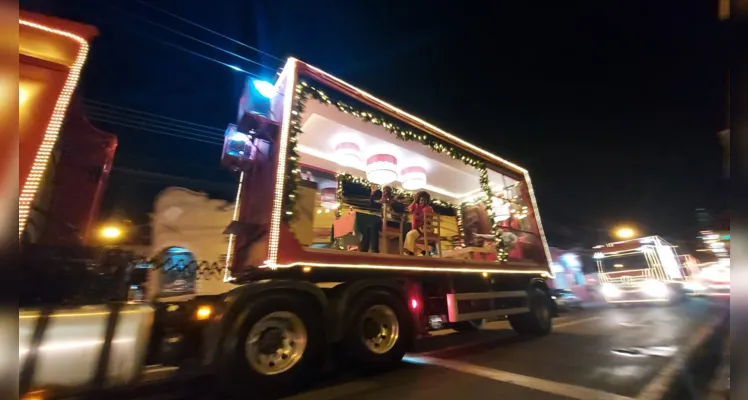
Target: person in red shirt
x=418, y=209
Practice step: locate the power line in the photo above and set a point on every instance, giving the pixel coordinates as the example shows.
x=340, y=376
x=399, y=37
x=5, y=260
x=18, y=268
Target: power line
x=164, y=42
x=97, y=102
x=194, y=38
x=208, y=30
x=185, y=125
x=152, y=125
x=91, y=113
x=118, y=123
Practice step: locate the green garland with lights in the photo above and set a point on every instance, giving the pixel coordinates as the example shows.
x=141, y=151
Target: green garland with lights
x=304, y=91
x=407, y=135
x=363, y=183
x=502, y=254
x=293, y=173
x=460, y=226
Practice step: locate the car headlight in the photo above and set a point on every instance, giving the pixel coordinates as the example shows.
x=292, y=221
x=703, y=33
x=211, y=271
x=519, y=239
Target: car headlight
x=655, y=288
x=609, y=290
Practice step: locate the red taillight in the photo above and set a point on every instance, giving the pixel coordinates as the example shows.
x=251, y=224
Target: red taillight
x=414, y=304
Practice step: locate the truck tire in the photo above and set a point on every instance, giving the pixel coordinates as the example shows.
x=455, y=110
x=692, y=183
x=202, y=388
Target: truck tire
x=378, y=333
x=277, y=347
x=468, y=326
x=538, y=321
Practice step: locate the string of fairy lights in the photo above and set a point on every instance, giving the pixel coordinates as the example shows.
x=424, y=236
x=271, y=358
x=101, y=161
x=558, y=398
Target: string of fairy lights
x=43, y=155
x=348, y=179
x=304, y=91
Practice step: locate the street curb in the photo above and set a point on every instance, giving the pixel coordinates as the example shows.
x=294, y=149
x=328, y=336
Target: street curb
x=666, y=383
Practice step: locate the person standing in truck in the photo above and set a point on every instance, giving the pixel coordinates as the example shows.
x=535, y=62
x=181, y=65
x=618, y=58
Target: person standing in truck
x=418, y=209
x=380, y=198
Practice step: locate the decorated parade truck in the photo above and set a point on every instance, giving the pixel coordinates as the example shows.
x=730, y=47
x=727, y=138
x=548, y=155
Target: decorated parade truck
x=357, y=229
x=645, y=269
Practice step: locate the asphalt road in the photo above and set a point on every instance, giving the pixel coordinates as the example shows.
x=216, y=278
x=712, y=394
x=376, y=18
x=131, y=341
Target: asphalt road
x=607, y=353
x=633, y=352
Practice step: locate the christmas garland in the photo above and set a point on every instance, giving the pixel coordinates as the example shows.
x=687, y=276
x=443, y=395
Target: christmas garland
x=460, y=226
x=403, y=134
x=403, y=194
x=501, y=249
x=293, y=172
x=304, y=91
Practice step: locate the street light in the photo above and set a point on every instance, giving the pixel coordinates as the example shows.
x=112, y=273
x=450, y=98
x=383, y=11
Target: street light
x=625, y=233
x=110, y=232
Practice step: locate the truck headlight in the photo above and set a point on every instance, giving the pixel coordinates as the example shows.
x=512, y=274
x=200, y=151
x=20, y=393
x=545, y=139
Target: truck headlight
x=609, y=290
x=655, y=288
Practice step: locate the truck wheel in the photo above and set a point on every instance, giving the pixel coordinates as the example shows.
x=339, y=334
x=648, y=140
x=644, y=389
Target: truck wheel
x=468, y=326
x=379, y=331
x=278, y=345
x=538, y=321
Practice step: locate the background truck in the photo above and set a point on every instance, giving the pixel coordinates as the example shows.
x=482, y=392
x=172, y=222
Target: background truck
x=645, y=269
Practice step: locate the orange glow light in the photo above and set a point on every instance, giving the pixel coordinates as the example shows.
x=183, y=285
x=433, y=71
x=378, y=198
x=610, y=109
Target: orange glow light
x=203, y=313
x=23, y=95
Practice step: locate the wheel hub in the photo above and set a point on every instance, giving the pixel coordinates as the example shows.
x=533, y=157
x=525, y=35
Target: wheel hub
x=371, y=329
x=270, y=341
x=379, y=329
x=276, y=343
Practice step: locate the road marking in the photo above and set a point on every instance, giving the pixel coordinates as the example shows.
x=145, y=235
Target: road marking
x=579, y=321
x=543, y=385
x=495, y=325
x=656, y=388
x=334, y=392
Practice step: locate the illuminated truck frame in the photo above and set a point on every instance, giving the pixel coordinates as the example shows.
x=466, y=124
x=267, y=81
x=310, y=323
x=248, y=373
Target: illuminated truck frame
x=661, y=277
x=286, y=94
x=52, y=54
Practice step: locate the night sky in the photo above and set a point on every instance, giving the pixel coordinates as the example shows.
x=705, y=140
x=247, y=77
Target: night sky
x=614, y=107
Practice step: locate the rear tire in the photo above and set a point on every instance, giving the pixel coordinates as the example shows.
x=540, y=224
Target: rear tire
x=539, y=320
x=378, y=333
x=276, y=346
x=468, y=326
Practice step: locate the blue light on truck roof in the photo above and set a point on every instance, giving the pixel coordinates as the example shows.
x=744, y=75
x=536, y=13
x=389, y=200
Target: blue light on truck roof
x=265, y=88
